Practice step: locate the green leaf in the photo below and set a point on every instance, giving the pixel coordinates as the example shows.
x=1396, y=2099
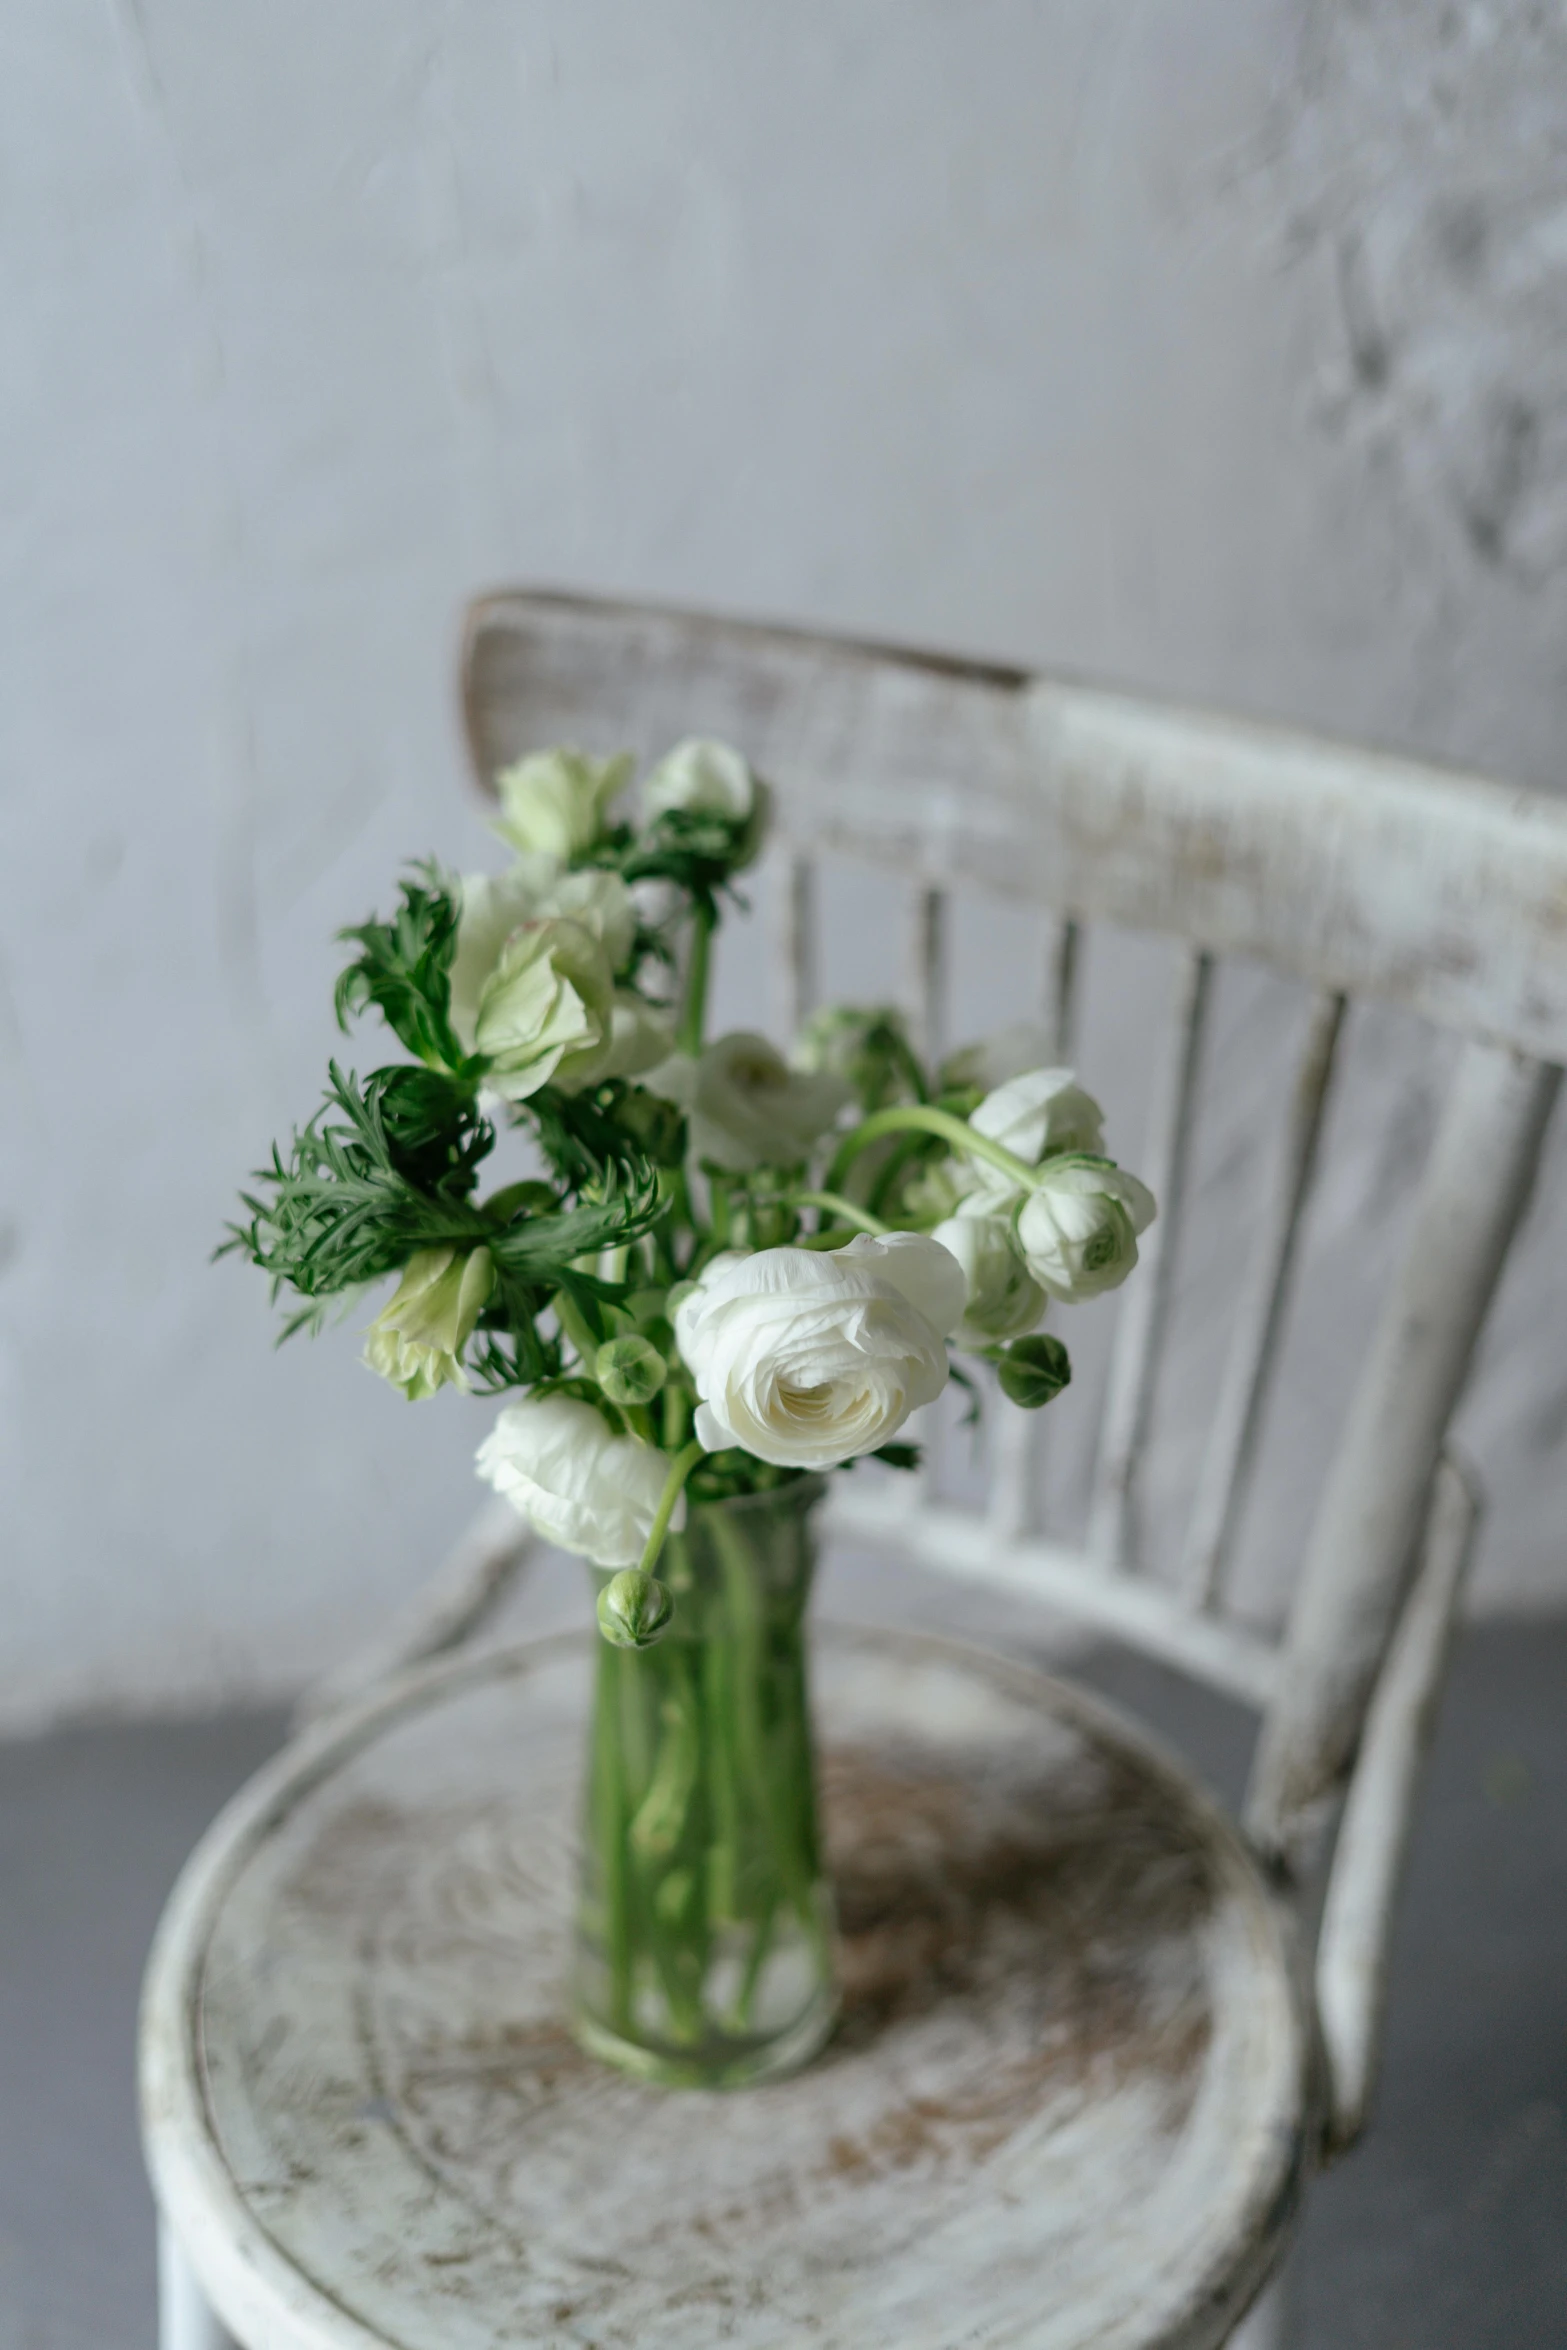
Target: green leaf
x=898, y=1456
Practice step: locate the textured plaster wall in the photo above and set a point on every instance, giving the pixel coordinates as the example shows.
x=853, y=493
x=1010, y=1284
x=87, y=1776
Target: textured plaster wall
x=1219, y=348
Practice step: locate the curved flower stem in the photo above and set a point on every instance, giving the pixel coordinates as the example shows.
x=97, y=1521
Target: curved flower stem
x=680, y=1469
x=844, y=1209
x=693, y=1010
x=921, y=1118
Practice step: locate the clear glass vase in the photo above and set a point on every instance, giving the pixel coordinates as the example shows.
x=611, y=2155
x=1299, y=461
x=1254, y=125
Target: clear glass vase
x=704, y=1950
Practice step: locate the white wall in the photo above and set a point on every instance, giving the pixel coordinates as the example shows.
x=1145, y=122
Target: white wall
x=1215, y=348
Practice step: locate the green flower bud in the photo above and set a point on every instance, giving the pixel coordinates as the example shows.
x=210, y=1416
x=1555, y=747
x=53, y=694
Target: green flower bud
x=1033, y=1370
x=629, y=1370
x=634, y=1610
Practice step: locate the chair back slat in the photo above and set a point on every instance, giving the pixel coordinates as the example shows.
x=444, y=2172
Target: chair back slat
x=1351, y=870
x=1139, y=1338
x=1230, y=1455
x=1362, y=875
x=1063, y=970
x=1362, y=1544
x=929, y=957
x=799, y=944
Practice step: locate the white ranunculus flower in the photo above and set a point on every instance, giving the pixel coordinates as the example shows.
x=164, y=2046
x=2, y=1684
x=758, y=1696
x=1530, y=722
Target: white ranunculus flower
x=553, y=804
x=1078, y=1229
x=701, y=779
x=1041, y=1111
x=1004, y=1300
x=806, y=1359
x=557, y=1462
x=746, y=1106
x=417, y=1340
x=545, y=1012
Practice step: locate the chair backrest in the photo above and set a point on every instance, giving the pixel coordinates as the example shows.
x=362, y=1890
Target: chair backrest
x=1359, y=874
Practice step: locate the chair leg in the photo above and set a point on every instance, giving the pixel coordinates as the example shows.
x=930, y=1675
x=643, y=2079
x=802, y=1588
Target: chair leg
x=1273, y=2320
x=184, y=2320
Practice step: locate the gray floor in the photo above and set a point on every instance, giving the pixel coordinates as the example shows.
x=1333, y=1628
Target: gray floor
x=1448, y=2228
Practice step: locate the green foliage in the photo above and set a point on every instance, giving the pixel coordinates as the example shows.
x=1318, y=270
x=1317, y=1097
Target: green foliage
x=581, y=1134
x=695, y=849
x=718, y=1476
x=404, y=968
x=380, y=1172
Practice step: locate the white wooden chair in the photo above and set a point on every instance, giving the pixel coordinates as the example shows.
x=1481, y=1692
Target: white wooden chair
x=364, y=2122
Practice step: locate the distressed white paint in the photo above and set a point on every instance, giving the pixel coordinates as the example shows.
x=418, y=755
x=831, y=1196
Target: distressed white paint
x=1217, y=350
x=1354, y=1943
x=1069, y=2103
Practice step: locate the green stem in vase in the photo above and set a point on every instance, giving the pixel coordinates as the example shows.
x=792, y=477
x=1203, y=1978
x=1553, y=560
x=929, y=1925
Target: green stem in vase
x=750, y=1740
x=610, y=1819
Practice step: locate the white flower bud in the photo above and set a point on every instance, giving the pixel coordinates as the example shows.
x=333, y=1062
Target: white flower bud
x=747, y=1108
x=417, y=1340
x=1003, y=1298
x=806, y=1359
x=557, y=1462
x=711, y=779
x=553, y=804
x=1078, y=1230
x=701, y=778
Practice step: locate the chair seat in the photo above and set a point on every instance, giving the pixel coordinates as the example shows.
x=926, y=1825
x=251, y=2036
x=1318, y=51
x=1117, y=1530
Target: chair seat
x=1065, y=2105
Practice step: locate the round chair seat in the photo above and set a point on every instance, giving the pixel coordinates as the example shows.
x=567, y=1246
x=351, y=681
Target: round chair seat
x=1065, y=2104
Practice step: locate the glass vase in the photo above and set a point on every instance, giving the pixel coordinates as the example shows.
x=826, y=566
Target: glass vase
x=704, y=1946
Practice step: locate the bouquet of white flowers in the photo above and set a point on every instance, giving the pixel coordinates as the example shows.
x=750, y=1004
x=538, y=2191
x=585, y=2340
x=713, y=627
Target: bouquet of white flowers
x=732, y=1272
